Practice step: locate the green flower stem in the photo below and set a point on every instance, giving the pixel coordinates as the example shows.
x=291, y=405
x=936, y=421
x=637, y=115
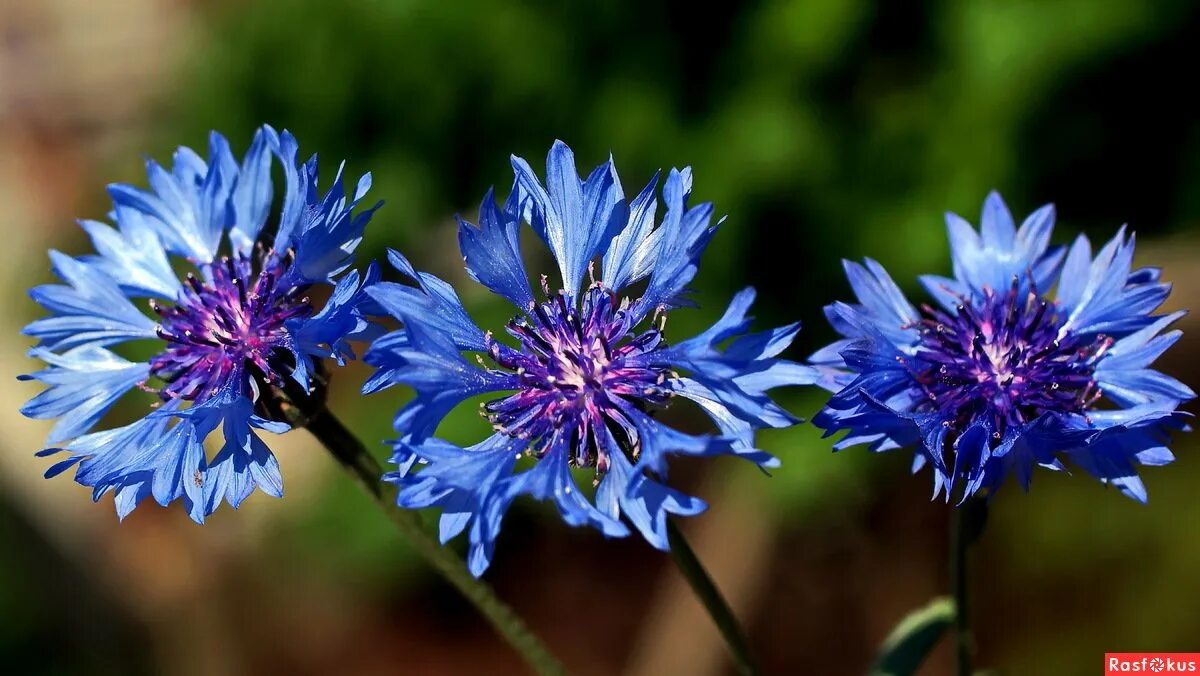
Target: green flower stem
x=363, y=467
x=961, y=591
x=706, y=590
x=966, y=527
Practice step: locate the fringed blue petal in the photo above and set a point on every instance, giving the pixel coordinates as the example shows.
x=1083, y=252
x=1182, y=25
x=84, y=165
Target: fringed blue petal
x=244, y=461
x=432, y=303
x=430, y=363
x=577, y=219
x=683, y=236
x=84, y=383
x=634, y=250
x=133, y=257
x=89, y=310
x=1102, y=298
x=323, y=232
x=346, y=318
x=157, y=457
x=646, y=503
x=492, y=251
x=189, y=205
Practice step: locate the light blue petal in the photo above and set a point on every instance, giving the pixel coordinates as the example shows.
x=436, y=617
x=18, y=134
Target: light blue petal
x=432, y=303
x=254, y=191
x=949, y=293
x=577, y=219
x=633, y=252
x=1000, y=254
x=133, y=257
x=84, y=383
x=492, y=251
x=90, y=310
x=882, y=300
x=996, y=224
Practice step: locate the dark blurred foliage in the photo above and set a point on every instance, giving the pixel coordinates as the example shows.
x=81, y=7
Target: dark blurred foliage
x=48, y=603
x=825, y=130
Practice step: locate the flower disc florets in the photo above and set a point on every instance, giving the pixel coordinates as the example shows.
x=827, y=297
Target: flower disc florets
x=1005, y=358
x=234, y=322
x=576, y=370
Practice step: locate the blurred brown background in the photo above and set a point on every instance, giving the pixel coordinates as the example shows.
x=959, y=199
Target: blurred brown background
x=825, y=129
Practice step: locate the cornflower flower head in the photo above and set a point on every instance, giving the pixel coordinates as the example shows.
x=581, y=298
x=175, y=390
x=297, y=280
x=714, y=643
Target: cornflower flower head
x=1031, y=355
x=236, y=339
x=583, y=366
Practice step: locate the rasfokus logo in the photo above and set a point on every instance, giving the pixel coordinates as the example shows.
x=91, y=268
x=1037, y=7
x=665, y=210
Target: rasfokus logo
x=1151, y=663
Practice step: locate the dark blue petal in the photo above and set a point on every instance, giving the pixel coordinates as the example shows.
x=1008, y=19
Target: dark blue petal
x=736, y=379
x=492, y=251
x=326, y=232
x=430, y=363
x=432, y=303
x=685, y=233
x=550, y=479
x=468, y=483
x=346, y=318
x=645, y=502
x=732, y=425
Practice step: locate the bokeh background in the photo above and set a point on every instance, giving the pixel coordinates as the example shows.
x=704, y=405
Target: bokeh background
x=825, y=129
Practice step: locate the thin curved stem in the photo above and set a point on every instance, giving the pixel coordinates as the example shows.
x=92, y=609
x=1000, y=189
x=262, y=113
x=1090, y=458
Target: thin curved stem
x=966, y=527
x=961, y=590
x=363, y=467
x=706, y=590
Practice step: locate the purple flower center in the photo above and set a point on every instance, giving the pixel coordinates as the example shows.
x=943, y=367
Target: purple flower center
x=1005, y=359
x=578, y=372
x=229, y=326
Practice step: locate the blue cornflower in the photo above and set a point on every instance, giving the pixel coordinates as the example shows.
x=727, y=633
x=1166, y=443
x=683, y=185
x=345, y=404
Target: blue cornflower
x=586, y=366
x=1001, y=375
x=236, y=343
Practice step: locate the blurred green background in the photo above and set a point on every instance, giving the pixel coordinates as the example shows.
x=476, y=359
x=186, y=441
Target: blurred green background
x=824, y=129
